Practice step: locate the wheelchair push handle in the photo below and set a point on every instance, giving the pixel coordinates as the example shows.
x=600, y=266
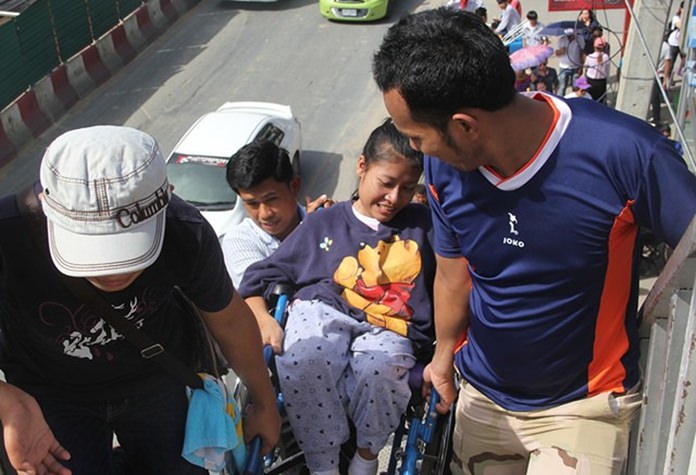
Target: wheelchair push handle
x=431, y=417
x=281, y=306
x=279, y=316
x=434, y=400
x=254, y=465
x=421, y=433
x=267, y=354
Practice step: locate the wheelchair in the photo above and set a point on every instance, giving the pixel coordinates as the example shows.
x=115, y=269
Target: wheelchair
x=421, y=444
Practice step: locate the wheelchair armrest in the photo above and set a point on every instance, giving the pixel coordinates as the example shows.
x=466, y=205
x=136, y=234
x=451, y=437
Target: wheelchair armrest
x=280, y=289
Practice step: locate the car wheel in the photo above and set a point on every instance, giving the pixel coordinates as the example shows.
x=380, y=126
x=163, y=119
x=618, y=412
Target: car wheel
x=296, y=164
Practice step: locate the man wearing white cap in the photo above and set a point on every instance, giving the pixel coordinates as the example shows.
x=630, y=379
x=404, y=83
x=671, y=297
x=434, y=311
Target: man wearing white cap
x=569, y=54
x=73, y=380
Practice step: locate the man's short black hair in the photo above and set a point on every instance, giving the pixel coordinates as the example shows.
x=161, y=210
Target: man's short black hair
x=532, y=15
x=441, y=61
x=256, y=162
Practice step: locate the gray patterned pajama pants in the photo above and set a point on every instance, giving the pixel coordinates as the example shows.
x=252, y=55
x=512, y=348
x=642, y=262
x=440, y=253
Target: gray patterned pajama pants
x=334, y=368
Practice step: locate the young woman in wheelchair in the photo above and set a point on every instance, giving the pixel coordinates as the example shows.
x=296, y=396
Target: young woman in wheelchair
x=361, y=314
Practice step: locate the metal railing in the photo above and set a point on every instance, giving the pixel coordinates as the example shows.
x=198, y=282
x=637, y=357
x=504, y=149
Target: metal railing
x=515, y=33
x=663, y=438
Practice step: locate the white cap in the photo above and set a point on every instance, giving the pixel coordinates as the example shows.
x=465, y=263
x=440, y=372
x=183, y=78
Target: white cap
x=105, y=194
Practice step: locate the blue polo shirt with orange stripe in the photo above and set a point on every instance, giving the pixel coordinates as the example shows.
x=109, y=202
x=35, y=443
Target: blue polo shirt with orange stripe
x=553, y=257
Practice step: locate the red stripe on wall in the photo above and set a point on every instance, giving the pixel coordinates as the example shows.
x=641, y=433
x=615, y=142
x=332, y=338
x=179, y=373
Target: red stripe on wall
x=32, y=115
x=94, y=65
x=606, y=373
x=121, y=44
x=169, y=10
x=62, y=87
x=142, y=16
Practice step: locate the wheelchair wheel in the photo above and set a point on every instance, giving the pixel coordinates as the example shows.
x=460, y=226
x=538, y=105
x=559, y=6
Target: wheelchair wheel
x=438, y=454
x=288, y=458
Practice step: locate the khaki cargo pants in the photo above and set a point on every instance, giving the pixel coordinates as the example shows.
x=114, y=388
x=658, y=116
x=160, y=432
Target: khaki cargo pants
x=586, y=437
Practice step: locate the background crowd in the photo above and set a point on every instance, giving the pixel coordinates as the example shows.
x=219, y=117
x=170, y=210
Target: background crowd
x=579, y=62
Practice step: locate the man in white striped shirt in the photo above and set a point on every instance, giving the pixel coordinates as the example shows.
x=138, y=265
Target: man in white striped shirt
x=262, y=175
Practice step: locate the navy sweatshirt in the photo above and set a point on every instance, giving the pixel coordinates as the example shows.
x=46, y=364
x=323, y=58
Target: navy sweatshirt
x=383, y=276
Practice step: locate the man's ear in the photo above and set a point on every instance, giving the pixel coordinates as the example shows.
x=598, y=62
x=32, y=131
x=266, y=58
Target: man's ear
x=295, y=185
x=465, y=123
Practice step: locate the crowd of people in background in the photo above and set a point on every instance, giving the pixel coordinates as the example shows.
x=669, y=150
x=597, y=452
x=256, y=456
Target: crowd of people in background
x=582, y=53
x=669, y=53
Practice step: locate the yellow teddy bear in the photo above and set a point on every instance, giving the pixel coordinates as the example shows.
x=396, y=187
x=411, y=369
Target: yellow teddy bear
x=380, y=280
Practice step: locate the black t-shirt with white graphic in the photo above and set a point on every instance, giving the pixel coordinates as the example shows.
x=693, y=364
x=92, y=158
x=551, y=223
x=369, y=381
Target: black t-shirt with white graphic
x=51, y=344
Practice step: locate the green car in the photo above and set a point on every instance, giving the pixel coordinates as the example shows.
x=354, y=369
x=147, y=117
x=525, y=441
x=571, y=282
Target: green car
x=354, y=10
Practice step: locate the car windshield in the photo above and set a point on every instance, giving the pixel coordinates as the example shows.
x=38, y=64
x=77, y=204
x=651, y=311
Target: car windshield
x=201, y=181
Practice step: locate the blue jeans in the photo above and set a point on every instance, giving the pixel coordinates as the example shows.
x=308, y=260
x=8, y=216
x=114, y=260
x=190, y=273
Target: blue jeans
x=149, y=427
x=566, y=78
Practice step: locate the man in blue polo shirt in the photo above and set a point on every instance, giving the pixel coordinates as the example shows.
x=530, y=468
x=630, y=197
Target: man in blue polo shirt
x=536, y=204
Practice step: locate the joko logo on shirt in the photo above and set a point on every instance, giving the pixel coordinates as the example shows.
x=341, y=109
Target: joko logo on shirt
x=514, y=231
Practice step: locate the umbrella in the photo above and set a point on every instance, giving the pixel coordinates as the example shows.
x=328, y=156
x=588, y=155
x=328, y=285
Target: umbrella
x=558, y=28
x=530, y=56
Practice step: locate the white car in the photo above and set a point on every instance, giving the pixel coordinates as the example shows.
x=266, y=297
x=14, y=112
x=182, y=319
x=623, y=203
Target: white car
x=197, y=165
